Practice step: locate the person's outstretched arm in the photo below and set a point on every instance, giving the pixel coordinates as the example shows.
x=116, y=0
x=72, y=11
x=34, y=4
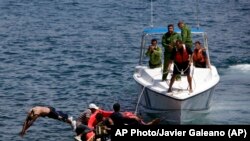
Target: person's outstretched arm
x=28, y=122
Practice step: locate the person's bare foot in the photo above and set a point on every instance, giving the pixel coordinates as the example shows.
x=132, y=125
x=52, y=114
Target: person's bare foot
x=190, y=91
x=169, y=90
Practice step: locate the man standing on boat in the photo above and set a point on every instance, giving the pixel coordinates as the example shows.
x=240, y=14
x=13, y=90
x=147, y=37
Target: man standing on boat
x=186, y=36
x=154, y=53
x=168, y=41
x=182, y=57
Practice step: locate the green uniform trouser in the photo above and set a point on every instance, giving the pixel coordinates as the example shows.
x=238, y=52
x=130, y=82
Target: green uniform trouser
x=165, y=65
x=152, y=66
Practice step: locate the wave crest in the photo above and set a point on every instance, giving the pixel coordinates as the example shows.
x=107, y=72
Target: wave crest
x=241, y=67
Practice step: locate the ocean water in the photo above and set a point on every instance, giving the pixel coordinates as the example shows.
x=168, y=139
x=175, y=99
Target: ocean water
x=68, y=53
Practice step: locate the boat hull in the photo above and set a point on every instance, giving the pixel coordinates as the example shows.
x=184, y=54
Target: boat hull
x=173, y=110
x=158, y=101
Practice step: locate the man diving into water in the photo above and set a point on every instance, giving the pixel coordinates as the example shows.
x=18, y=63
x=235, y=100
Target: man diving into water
x=41, y=111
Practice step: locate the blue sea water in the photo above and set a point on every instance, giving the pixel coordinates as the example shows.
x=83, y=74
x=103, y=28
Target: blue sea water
x=68, y=53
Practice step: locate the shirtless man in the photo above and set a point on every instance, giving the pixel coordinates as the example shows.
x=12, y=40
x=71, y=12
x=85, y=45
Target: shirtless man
x=41, y=111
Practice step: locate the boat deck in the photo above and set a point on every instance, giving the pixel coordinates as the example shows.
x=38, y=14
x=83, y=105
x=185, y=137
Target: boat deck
x=152, y=79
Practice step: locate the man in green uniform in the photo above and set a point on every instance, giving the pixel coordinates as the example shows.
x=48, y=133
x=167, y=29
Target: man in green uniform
x=168, y=41
x=185, y=34
x=154, y=53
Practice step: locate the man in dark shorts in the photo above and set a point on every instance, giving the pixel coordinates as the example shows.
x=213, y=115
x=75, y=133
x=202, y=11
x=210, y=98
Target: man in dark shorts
x=182, y=57
x=41, y=111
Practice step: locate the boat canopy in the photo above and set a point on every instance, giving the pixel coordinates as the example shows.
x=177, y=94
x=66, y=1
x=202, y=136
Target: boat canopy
x=161, y=30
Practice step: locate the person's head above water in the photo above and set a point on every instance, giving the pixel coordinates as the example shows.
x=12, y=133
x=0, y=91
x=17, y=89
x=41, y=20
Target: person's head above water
x=116, y=107
x=93, y=106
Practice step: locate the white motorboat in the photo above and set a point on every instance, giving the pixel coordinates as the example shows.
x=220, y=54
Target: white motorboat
x=153, y=96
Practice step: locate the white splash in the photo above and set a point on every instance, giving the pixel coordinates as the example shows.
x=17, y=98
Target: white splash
x=245, y=68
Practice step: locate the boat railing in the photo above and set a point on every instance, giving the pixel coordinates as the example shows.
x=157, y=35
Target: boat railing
x=159, y=31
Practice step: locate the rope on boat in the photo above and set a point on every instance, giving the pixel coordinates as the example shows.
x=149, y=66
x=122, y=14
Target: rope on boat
x=182, y=72
x=139, y=99
x=197, y=13
x=192, y=74
x=152, y=24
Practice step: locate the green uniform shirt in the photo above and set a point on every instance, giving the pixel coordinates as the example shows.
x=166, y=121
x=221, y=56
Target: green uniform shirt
x=155, y=57
x=186, y=36
x=169, y=39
